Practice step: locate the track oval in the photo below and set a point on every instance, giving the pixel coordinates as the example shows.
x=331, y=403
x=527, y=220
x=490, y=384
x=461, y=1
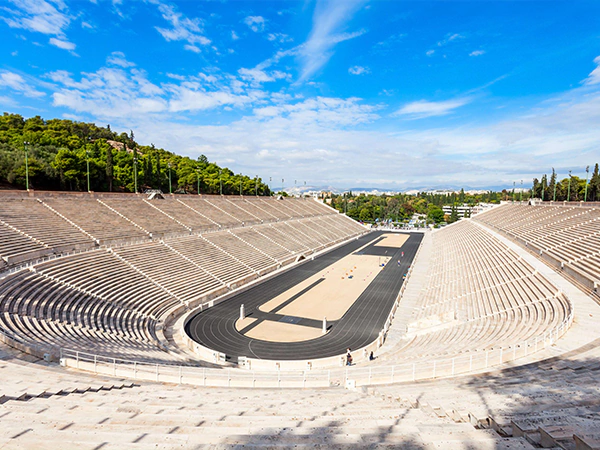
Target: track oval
x=215, y=327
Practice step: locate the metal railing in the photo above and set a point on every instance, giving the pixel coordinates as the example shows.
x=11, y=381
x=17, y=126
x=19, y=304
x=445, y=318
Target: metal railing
x=421, y=369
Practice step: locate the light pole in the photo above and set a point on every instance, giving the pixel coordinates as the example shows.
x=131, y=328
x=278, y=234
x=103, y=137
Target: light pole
x=87, y=154
x=25, y=144
x=270, y=183
x=240, y=184
x=221, y=181
x=135, y=174
x=587, y=173
x=170, y=185
x=555, y=182
x=256, y=186
x=282, y=185
x=198, y=173
x=569, y=190
x=513, y=192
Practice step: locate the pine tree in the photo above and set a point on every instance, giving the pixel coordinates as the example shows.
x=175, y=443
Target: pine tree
x=453, y=214
x=552, y=184
x=158, y=171
x=109, y=167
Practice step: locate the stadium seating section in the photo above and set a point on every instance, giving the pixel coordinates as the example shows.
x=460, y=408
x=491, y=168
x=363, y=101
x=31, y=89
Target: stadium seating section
x=566, y=236
x=482, y=295
x=103, y=271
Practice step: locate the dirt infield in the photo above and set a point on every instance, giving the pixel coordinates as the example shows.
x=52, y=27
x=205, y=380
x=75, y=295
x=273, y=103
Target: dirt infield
x=283, y=332
x=327, y=294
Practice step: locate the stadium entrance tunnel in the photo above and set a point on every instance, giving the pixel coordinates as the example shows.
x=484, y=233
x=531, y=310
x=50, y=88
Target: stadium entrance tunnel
x=353, y=287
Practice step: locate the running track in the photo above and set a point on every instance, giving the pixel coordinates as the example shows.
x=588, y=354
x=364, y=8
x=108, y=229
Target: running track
x=215, y=327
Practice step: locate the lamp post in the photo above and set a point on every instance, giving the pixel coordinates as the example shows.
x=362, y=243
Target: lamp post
x=555, y=180
x=513, y=192
x=282, y=185
x=221, y=181
x=240, y=184
x=135, y=175
x=256, y=186
x=587, y=173
x=87, y=154
x=569, y=190
x=25, y=144
x=198, y=173
x=170, y=185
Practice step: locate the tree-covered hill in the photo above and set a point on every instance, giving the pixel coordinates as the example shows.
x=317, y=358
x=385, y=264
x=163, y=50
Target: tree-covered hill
x=59, y=151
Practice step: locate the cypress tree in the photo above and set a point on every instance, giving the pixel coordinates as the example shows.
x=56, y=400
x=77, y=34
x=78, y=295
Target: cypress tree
x=594, y=187
x=109, y=167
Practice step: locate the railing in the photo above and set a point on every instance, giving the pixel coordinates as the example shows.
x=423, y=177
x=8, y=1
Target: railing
x=352, y=376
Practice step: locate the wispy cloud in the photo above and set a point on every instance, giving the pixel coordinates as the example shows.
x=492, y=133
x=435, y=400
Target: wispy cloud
x=60, y=43
x=279, y=37
x=255, y=23
x=359, y=70
x=17, y=83
x=423, y=108
x=118, y=59
x=388, y=44
x=257, y=76
x=450, y=37
x=477, y=53
x=430, y=52
x=40, y=16
x=594, y=76
x=182, y=28
x=329, y=20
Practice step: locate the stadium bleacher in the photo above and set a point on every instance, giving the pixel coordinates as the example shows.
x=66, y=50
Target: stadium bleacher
x=104, y=270
x=567, y=236
x=98, y=274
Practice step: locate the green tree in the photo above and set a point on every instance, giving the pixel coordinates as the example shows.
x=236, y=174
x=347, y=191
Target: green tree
x=594, y=186
x=435, y=213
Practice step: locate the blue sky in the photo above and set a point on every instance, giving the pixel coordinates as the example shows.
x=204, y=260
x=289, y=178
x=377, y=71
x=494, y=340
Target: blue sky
x=352, y=93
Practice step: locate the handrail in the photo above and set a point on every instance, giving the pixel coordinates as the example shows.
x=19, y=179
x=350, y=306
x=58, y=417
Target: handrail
x=353, y=376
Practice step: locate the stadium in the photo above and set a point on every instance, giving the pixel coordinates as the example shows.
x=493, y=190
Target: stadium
x=482, y=333
x=324, y=224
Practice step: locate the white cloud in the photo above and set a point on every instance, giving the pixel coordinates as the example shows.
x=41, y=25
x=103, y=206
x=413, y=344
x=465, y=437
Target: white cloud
x=449, y=38
x=594, y=76
x=423, y=108
x=182, y=28
x=477, y=53
x=39, y=16
x=329, y=19
x=430, y=52
x=192, y=48
x=359, y=70
x=118, y=59
x=255, y=23
x=234, y=35
x=279, y=37
x=65, y=45
x=257, y=76
x=17, y=83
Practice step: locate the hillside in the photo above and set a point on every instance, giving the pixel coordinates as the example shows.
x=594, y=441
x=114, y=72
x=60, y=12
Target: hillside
x=59, y=151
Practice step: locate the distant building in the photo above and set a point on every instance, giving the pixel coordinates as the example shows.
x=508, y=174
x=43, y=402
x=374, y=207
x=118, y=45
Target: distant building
x=461, y=210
